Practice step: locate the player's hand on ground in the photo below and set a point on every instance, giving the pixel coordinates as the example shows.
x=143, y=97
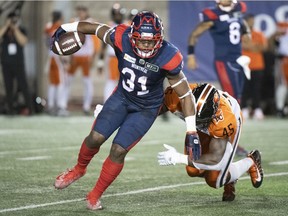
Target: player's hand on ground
x=191, y=62
x=192, y=145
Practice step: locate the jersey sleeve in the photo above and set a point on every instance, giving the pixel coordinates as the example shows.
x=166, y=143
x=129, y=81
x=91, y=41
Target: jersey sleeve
x=175, y=64
x=208, y=15
x=241, y=7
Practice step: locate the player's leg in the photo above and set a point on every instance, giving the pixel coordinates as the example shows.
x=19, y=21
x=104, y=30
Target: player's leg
x=231, y=77
x=281, y=83
x=129, y=134
x=70, y=77
x=24, y=87
x=250, y=164
x=61, y=101
x=108, y=120
x=88, y=84
x=221, y=176
x=8, y=76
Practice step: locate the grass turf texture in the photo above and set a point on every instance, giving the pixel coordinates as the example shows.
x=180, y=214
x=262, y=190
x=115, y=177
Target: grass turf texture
x=34, y=150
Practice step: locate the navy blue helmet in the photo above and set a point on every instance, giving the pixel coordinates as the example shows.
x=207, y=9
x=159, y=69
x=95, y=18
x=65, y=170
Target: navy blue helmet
x=146, y=26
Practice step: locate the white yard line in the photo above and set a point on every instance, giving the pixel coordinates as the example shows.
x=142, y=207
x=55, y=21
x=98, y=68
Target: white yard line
x=279, y=163
x=125, y=193
x=33, y=158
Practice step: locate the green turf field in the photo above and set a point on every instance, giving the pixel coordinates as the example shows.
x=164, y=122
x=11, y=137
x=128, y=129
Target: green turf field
x=34, y=150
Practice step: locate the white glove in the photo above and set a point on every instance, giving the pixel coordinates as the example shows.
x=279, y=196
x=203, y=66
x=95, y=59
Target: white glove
x=97, y=110
x=171, y=157
x=244, y=61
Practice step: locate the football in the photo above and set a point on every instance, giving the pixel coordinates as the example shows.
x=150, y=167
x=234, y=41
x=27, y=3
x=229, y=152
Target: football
x=68, y=43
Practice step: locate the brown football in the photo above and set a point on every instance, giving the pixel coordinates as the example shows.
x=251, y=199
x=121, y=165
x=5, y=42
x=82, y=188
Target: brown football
x=68, y=43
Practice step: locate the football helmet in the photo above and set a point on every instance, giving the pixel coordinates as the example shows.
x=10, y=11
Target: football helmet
x=207, y=101
x=147, y=33
x=226, y=5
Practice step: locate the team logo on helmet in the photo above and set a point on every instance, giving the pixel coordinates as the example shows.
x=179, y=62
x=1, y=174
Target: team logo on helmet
x=146, y=34
x=207, y=102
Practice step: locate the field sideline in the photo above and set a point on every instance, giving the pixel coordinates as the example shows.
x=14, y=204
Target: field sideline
x=34, y=150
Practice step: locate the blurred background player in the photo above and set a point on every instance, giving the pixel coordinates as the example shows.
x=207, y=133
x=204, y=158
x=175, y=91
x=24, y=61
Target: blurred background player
x=252, y=88
x=13, y=39
x=281, y=68
x=219, y=124
x=57, y=69
x=110, y=68
x=131, y=15
x=84, y=59
x=219, y=21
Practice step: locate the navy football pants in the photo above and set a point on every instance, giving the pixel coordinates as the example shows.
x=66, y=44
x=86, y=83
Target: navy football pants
x=133, y=122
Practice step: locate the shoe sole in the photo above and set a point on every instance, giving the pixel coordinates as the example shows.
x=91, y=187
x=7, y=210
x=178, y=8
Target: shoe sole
x=257, y=184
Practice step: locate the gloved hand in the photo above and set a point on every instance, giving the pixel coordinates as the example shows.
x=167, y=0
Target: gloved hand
x=97, y=110
x=170, y=157
x=60, y=31
x=192, y=145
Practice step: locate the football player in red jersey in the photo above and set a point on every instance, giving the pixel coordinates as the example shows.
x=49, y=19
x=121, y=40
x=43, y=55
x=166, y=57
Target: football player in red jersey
x=219, y=124
x=227, y=29
x=144, y=60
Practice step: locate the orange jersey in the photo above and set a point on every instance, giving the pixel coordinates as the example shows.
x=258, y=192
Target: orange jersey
x=257, y=59
x=56, y=66
x=227, y=123
x=224, y=125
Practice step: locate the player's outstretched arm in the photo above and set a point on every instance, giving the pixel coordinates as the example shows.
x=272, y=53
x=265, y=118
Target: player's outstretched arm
x=193, y=38
x=102, y=31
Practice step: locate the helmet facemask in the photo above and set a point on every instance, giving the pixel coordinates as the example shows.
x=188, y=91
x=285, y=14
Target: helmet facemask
x=146, y=34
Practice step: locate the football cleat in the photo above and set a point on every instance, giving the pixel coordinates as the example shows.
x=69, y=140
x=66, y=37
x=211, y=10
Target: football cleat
x=68, y=177
x=92, y=203
x=256, y=171
x=229, y=192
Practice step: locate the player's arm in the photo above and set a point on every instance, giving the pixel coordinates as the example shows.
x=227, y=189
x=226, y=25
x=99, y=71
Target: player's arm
x=181, y=87
x=193, y=38
x=217, y=157
x=211, y=159
x=102, y=31
x=246, y=36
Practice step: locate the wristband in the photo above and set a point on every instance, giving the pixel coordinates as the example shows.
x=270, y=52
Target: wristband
x=190, y=49
x=97, y=29
x=190, y=123
x=70, y=27
x=182, y=159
